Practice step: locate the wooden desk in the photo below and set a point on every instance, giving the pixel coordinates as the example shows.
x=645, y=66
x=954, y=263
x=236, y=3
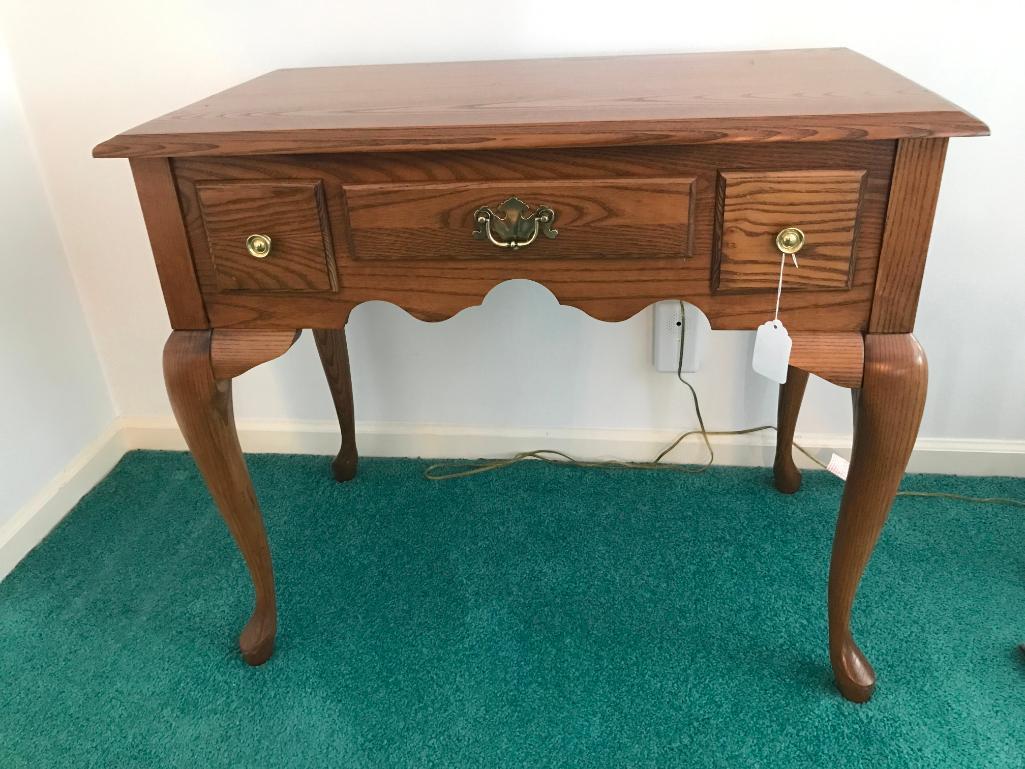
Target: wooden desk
x=283, y=203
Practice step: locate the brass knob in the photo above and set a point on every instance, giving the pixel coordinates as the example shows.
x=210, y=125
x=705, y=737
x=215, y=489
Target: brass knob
x=790, y=240
x=258, y=246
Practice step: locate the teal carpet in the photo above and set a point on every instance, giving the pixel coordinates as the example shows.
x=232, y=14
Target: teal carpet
x=535, y=617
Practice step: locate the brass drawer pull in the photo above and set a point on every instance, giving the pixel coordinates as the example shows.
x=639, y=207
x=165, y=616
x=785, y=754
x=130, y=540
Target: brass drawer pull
x=518, y=228
x=790, y=240
x=258, y=246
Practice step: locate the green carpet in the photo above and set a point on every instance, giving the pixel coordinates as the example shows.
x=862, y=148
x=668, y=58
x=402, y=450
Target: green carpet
x=535, y=617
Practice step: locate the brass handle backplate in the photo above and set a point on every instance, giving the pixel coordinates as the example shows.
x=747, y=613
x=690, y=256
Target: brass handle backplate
x=518, y=228
x=790, y=240
x=258, y=246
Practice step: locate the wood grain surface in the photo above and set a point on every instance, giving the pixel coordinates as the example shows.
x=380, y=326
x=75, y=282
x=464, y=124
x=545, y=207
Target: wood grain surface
x=837, y=358
x=756, y=205
x=155, y=186
x=203, y=408
x=785, y=473
x=888, y=410
x=334, y=357
x=234, y=351
x=755, y=96
x=917, y=171
x=290, y=213
x=596, y=218
x=608, y=288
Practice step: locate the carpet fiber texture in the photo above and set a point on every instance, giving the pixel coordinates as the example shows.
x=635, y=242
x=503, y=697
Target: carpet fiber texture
x=534, y=617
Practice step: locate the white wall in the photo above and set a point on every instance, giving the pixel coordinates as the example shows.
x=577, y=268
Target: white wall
x=89, y=70
x=54, y=401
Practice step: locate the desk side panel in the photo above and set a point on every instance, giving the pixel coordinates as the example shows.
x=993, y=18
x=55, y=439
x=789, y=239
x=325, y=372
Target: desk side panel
x=917, y=171
x=162, y=213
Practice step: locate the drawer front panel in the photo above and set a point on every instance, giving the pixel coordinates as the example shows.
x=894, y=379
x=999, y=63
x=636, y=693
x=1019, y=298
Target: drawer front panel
x=602, y=218
x=432, y=268
x=290, y=214
x=753, y=206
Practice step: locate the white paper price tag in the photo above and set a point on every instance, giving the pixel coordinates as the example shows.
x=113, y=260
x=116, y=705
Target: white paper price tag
x=772, y=351
x=838, y=466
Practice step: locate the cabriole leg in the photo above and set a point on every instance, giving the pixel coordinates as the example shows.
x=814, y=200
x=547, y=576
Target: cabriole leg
x=887, y=414
x=785, y=472
x=198, y=370
x=334, y=356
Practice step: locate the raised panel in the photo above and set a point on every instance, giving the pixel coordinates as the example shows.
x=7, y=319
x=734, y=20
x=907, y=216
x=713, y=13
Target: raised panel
x=753, y=206
x=290, y=213
x=594, y=218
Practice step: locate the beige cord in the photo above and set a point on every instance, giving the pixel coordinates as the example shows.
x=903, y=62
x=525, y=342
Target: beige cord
x=467, y=469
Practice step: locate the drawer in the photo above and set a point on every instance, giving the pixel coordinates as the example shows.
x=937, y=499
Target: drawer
x=634, y=226
x=295, y=252
x=596, y=218
x=753, y=206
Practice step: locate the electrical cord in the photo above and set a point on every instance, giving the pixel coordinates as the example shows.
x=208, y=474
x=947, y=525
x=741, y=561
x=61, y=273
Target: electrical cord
x=444, y=471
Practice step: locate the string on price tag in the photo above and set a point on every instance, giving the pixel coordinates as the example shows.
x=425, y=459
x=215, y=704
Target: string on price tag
x=772, y=342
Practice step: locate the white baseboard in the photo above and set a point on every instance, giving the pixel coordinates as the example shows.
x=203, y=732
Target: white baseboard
x=35, y=520
x=29, y=525
x=931, y=455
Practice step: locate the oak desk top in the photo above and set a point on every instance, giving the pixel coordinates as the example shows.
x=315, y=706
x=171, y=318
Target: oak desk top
x=759, y=96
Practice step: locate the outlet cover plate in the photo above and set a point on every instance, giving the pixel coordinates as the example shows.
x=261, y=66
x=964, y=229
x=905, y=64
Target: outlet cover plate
x=669, y=323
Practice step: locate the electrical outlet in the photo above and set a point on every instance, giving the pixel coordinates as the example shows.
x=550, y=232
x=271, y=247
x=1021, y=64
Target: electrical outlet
x=669, y=323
